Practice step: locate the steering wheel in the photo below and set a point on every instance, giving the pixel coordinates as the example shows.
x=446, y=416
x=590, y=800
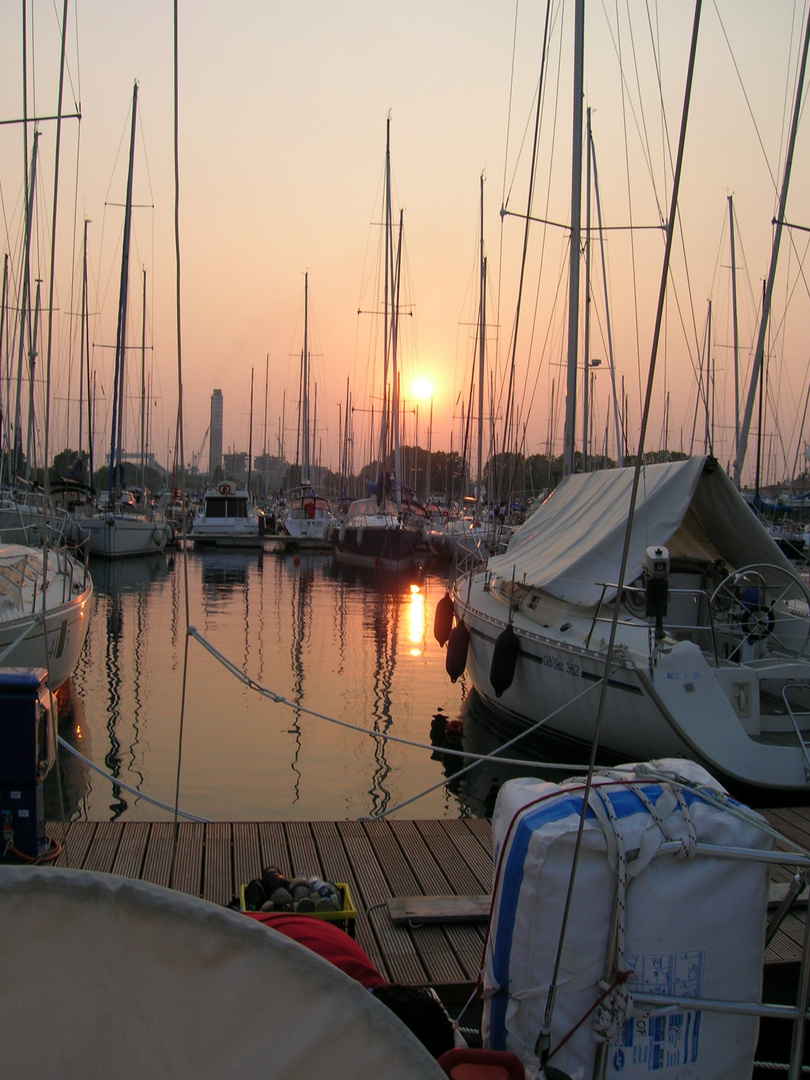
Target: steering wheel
x=764, y=601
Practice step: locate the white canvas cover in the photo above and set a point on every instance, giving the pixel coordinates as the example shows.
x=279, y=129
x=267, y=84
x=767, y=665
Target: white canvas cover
x=103, y=976
x=573, y=542
x=693, y=925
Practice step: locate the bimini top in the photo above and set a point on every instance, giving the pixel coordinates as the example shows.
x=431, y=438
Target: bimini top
x=572, y=544
x=152, y=983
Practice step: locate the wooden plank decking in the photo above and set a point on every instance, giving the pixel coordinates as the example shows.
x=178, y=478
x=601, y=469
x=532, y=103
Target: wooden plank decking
x=379, y=860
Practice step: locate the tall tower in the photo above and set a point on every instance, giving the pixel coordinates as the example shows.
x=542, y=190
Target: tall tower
x=215, y=440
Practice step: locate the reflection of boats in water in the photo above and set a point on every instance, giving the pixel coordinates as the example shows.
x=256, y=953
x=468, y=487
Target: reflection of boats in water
x=477, y=732
x=369, y=578
x=226, y=569
x=68, y=782
x=130, y=575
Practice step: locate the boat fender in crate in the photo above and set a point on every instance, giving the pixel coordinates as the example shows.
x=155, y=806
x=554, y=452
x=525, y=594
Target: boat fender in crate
x=457, y=645
x=691, y=923
x=504, y=660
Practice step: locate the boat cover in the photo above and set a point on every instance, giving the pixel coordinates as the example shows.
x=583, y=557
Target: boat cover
x=573, y=542
x=103, y=976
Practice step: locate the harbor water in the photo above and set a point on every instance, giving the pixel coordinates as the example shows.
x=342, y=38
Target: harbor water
x=269, y=719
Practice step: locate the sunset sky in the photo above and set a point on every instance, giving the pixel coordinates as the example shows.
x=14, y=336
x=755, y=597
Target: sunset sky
x=282, y=120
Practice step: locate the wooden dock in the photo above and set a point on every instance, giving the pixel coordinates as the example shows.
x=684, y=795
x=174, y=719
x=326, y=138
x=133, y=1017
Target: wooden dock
x=378, y=860
x=381, y=861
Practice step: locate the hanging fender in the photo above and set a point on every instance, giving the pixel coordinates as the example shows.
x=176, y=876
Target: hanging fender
x=457, y=645
x=443, y=619
x=504, y=660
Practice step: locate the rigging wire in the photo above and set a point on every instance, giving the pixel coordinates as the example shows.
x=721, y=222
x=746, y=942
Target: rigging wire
x=542, y=1047
x=181, y=724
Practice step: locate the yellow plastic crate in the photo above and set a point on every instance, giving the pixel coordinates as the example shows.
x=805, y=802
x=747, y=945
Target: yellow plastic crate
x=345, y=918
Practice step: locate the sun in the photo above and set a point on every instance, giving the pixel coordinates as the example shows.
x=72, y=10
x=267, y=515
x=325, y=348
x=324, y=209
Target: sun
x=422, y=388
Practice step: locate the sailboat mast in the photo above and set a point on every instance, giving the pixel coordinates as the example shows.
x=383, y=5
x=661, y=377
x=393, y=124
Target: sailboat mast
x=120, y=337
x=305, y=435
x=143, y=390
x=15, y=461
x=735, y=333
x=576, y=223
x=32, y=361
x=586, y=345
x=266, y=380
x=387, y=290
x=481, y=347
x=742, y=445
x=395, y=398
x=250, y=435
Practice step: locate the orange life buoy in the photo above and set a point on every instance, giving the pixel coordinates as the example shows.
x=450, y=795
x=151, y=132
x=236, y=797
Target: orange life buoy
x=224, y=489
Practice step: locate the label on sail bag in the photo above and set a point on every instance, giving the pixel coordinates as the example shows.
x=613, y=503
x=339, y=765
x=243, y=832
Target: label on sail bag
x=659, y=1042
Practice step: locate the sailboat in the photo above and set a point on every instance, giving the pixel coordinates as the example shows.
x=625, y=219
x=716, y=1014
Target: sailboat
x=471, y=533
x=385, y=529
x=120, y=526
x=309, y=519
x=650, y=610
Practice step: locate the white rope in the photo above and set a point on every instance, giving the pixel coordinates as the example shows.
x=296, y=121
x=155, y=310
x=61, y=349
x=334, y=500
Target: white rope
x=617, y=1006
x=125, y=787
x=279, y=699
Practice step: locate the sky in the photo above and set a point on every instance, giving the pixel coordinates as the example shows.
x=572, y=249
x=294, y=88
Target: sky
x=282, y=123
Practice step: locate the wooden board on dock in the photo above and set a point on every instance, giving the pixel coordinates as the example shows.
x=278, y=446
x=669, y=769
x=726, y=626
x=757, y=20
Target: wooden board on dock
x=420, y=887
x=426, y=909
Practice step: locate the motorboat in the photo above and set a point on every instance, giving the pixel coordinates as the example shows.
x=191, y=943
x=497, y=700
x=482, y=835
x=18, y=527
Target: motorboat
x=44, y=609
x=701, y=648
x=227, y=518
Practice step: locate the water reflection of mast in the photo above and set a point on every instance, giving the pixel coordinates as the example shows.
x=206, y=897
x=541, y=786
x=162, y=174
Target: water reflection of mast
x=301, y=605
x=383, y=678
x=112, y=759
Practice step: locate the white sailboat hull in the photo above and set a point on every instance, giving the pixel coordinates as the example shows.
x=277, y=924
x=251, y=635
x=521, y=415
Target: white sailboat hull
x=115, y=536
x=727, y=682
x=47, y=633
x=683, y=708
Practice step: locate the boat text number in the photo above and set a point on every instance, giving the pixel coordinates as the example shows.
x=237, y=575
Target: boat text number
x=560, y=665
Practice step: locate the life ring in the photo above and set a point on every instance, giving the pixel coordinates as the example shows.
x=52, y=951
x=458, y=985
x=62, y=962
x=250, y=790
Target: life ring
x=224, y=489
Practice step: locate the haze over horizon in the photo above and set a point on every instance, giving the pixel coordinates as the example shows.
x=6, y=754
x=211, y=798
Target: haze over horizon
x=282, y=114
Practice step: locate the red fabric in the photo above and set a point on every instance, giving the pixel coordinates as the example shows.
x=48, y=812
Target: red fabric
x=325, y=939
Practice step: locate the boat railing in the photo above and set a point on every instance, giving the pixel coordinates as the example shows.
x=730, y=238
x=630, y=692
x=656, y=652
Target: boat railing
x=792, y=713
x=702, y=630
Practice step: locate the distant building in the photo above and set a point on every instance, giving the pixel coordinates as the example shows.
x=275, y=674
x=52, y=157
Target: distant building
x=215, y=438
x=236, y=466
x=272, y=470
